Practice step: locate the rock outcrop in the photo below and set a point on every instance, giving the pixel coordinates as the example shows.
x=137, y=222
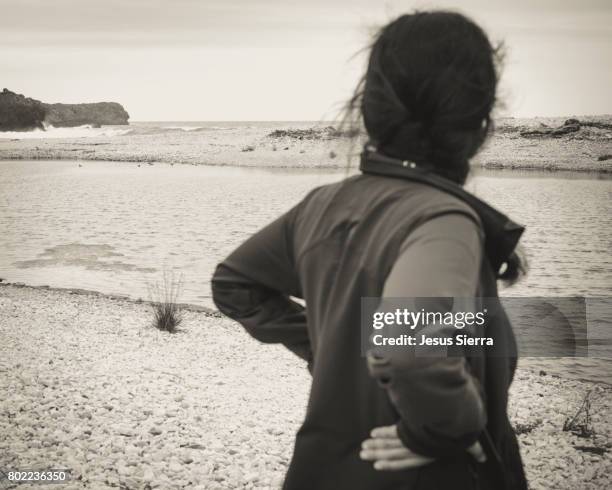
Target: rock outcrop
x=601, y=128
x=98, y=114
x=19, y=113
x=569, y=126
x=315, y=133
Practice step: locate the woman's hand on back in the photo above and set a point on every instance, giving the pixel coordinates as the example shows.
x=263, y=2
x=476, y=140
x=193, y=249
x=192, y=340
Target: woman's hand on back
x=387, y=452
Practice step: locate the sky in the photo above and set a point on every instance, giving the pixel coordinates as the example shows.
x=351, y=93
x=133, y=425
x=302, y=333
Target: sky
x=231, y=60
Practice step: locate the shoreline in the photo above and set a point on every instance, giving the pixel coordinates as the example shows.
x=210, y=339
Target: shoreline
x=132, y=406
x=109, y=296
x=505, y=166
x=545, y=144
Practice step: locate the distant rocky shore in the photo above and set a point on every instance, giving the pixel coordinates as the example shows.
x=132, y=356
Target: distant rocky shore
x=579, y=129
x=585, y=129
x=581, y=144
x=20, y=113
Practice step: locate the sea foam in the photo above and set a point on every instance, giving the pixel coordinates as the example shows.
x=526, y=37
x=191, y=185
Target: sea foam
x=86, y=131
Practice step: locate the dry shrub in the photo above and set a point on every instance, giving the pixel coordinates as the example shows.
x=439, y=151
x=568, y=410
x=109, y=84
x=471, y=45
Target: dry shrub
x=167, y=314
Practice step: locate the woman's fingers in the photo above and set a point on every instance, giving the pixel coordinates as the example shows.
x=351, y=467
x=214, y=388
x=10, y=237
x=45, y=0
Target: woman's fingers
x=402, y=464
x=385, y=454
x=382, y=444
x=388, y=452
x=385, y=432
x=477, y=451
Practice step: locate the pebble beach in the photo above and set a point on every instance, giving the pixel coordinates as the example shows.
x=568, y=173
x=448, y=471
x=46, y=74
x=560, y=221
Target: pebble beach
x=89, y=385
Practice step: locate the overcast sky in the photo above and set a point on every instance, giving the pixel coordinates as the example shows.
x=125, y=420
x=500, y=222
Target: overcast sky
x=281, y=59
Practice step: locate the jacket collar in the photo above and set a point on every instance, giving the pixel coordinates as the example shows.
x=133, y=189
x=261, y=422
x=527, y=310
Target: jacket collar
x=501, y=233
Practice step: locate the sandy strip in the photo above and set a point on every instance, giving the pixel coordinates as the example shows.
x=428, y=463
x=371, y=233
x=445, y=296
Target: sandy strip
x=88, y=384
x=505, y=150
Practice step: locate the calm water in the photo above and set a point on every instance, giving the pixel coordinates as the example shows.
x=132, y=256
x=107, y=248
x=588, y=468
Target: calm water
x=116, y=228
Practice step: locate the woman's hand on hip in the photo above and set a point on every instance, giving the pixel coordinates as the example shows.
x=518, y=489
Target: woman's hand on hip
x=385, y=449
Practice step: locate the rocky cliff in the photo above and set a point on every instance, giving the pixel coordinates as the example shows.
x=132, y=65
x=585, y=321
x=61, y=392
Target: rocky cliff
x=19, y=113
x=99, y=113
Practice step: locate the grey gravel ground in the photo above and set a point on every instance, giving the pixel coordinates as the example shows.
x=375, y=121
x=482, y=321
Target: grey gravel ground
x=88, y=384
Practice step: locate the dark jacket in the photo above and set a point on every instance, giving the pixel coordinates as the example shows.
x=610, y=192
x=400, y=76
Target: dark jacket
x=335, y=247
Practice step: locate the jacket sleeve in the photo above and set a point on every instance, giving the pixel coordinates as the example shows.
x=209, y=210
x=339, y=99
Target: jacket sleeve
x=254, y=283
x=439, y=402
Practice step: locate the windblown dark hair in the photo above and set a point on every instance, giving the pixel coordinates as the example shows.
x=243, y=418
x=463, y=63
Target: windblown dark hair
x=428, y=91
x=427, y=96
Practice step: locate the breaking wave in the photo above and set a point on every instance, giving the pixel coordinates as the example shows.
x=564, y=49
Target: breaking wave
x=86, y=131
x=134, y=129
